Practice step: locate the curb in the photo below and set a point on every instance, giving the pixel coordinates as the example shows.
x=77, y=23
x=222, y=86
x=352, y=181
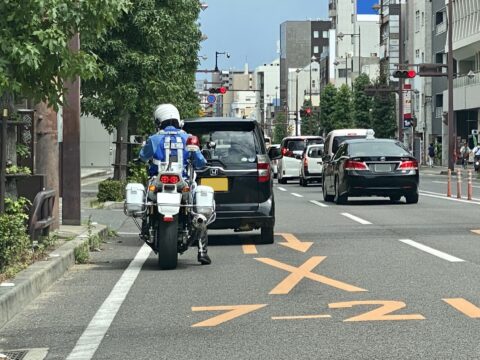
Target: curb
x=95, y=174
x=30, y=282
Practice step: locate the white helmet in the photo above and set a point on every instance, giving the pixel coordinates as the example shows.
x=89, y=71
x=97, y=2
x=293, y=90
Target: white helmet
x=166, y=114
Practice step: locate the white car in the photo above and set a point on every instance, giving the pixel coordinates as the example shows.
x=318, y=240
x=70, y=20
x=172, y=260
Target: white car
x=312, y=164
x=292, y=149
x=274, y=163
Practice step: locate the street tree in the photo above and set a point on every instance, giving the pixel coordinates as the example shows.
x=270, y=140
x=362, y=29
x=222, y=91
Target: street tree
x=310, y=121
x=280, y=128
x=35, y=59
x=383, y=112
x=149, y=57
x=34, y=56
x=362, y=103
x=342, y=115
x=327, y=108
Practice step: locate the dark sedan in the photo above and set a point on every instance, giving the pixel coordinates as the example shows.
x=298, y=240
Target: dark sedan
x=370, y=167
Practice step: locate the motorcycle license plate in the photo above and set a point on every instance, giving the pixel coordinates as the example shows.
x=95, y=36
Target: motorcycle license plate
x=217, y=184
x=169, y=203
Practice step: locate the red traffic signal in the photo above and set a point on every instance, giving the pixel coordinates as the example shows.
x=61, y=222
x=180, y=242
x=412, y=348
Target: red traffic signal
x=308, y=111
x=221, y=90
x=404, y=74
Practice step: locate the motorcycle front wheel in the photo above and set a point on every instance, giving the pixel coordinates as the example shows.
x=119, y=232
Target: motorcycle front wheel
x=167, y=237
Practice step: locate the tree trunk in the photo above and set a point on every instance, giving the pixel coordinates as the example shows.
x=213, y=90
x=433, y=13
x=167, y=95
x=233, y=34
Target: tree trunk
x=7, y=101
x=47, y=159
x=121, y=152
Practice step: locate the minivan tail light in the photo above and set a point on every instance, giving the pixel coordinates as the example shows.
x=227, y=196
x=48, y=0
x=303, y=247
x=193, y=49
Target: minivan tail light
x=355, y=165
x=408, y=165
x=263, y=168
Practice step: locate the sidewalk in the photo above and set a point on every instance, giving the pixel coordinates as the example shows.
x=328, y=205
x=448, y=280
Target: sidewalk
x=88, y=172
x=18, y=292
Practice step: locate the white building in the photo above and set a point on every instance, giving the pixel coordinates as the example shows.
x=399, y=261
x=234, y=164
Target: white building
x=357, y=39
x=267, y=81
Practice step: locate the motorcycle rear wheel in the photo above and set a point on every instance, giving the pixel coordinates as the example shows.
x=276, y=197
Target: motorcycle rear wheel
x=167, y=237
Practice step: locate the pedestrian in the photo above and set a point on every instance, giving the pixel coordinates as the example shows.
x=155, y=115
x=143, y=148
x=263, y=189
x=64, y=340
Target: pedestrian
x=431, y=155
x=465, y=153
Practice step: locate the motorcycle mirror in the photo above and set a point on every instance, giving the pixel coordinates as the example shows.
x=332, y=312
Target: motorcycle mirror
x=211, y=145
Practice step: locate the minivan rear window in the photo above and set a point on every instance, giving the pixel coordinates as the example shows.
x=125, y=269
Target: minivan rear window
x=338, y=140
x=234, y=145
x=301, y=144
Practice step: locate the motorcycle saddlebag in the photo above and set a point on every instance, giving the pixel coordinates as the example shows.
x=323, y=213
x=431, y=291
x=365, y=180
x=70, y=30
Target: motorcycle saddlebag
x=204, y=201
x=134, y=200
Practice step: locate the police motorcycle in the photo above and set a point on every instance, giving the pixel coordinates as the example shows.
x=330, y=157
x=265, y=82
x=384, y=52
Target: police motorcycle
x=176, y=209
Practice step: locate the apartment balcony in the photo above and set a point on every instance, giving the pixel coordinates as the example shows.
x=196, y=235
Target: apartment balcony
x=438, y=112
x=465, y=80
x=440, y=28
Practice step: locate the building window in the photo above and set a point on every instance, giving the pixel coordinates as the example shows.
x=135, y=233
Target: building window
x=417, y=21
x=423, y=57
x=439, y=58
x=440, y=23
x=439, y=18
x=342, y=73
x=438, y=105
x=315, y=49
x=423, y=19
x=417, y=53
x=315, y=34
x=325, y=34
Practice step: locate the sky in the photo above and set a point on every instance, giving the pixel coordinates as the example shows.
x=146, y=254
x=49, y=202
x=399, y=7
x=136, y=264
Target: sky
x=250, y=29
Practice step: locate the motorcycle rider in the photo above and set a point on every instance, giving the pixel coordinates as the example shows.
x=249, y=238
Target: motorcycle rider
x=167, y=121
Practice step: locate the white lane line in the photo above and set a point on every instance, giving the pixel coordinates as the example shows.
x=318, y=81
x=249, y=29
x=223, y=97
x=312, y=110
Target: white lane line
x=357, y=219
x=318, y=203
x=91, y=338
x=454, y=183
x=281, y=189
x=431, y=251
x=435, y=195
x=297, y=195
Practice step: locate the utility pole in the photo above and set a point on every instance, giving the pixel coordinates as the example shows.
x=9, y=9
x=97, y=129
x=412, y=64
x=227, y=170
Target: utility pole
x=400, y=81
x=3, y=166
x=296, y=106
x=451, y=138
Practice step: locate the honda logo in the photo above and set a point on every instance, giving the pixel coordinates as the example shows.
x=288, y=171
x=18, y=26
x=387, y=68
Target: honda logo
x=213, y=172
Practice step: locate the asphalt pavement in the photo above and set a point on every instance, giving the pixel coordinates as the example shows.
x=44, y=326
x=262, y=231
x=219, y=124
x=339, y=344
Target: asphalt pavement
x=366, y=280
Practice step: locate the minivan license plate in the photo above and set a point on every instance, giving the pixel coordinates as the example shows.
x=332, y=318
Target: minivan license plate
x=217, y=184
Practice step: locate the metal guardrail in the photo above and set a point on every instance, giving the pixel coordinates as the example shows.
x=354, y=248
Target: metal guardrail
x=41, y=216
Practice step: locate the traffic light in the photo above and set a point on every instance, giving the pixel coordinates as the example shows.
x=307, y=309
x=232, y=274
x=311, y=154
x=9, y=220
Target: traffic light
x=305, y=112
x=404, y=74
x=221, y=90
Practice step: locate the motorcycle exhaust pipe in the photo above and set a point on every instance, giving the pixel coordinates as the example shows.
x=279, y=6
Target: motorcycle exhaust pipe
x=200, y=221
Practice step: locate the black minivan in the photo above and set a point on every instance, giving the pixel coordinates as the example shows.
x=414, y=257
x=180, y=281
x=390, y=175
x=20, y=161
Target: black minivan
x=239, y=171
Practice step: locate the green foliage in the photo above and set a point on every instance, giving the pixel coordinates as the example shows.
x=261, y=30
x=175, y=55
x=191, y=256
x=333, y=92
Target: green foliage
x=14, y=169
x=149, y=57
x=362, y=103
x=34, y=37
x=280, y=129
x=342, y=115
x=310, y=123
x=137, y=173
x=327, y=106
x=23, y=150
x=384, y=121
x=111, y=190
x=14, y=241
x=81, y=254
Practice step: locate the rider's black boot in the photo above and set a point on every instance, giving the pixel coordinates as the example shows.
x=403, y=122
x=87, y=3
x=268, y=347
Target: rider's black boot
x=145, y=234
x=203, y=258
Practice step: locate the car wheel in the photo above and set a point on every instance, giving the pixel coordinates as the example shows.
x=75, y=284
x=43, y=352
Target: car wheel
x=394, y=198
x=339, y=199
x=266, y=236
x=305, y=183
x=326, y=197
x=412, y=198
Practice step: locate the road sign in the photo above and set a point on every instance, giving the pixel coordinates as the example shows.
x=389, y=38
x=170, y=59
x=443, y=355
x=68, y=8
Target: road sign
x=211, y=99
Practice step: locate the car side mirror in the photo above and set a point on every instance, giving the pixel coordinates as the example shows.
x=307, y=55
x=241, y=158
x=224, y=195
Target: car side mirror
x=274, y=153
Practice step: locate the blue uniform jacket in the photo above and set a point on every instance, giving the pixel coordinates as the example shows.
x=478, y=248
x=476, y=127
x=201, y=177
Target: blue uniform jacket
x=155, y=148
